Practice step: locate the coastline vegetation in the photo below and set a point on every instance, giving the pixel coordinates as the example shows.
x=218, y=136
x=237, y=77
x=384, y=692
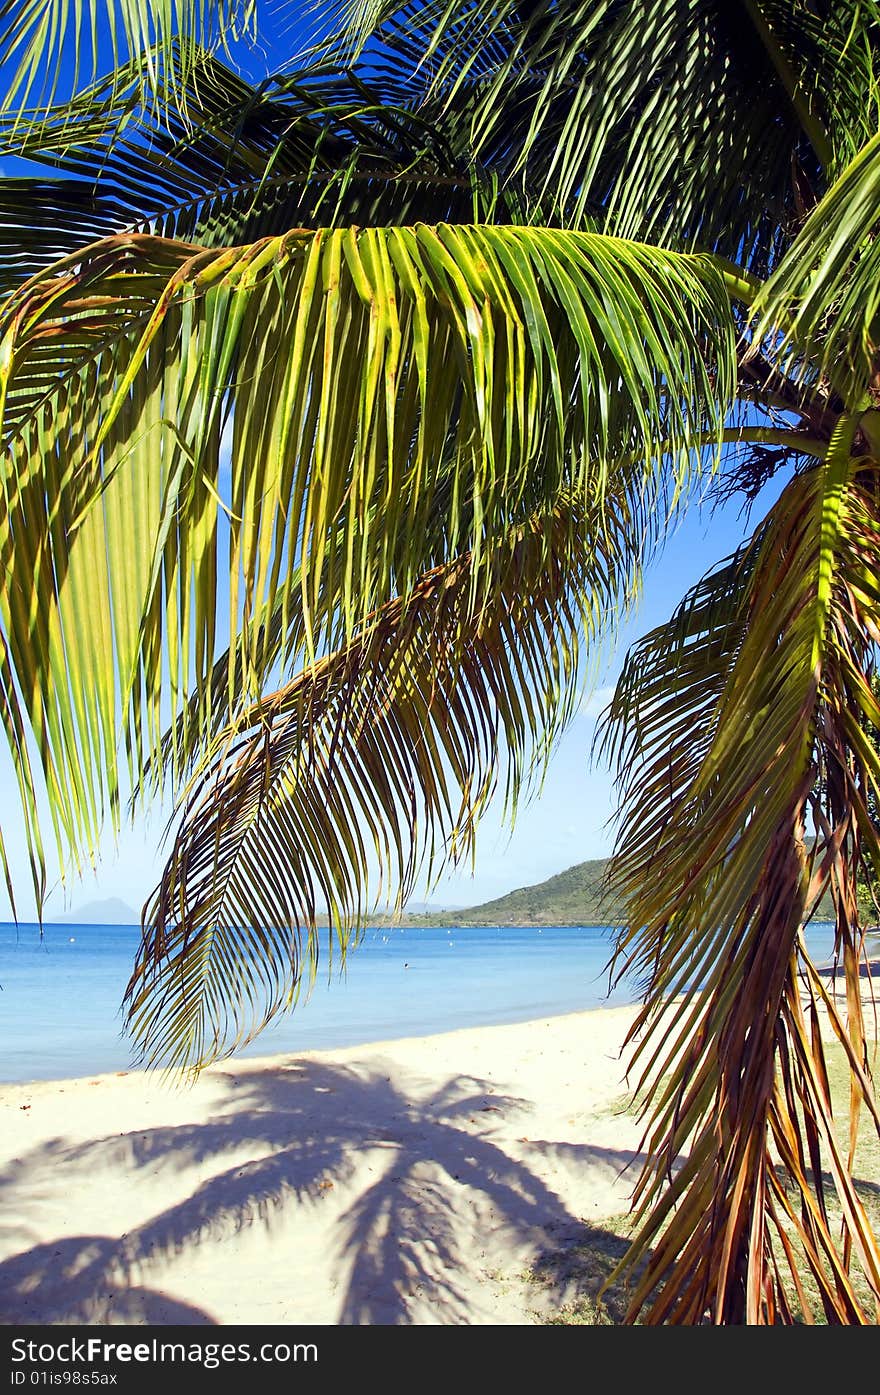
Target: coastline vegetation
x=580, y=895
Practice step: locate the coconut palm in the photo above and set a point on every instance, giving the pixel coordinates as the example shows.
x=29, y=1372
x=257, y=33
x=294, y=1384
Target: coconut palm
x=430, y=334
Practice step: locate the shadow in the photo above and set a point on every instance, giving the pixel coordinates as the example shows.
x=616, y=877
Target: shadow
x=84, y=1279
x=613, y=1163
x=869, y=970
x=415, y=1188
x=577, y=1271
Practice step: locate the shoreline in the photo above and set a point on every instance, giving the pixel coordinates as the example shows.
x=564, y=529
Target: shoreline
x=61, y=1017
x=64, y=1044
x=247, y=1057
x=452, y=1179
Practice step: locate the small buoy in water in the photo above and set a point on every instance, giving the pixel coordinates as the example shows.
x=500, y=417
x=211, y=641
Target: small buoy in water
x=72, y=940
x=406, y=966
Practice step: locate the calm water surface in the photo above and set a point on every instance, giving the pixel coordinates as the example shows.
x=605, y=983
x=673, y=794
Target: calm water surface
x=59, y=1004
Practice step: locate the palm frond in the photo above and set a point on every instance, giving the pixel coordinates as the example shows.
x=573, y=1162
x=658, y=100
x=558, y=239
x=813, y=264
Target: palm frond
x=823, y=300
x=381, y=400
x=244, y=162
x=50, y=44
x=826, y=61
x=376, y=759
x=693, y=124
x=43, y=221
x=736, y=727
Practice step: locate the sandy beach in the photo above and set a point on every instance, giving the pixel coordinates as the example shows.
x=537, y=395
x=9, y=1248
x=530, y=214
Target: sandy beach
x=439, y=1179
x=429, y=1180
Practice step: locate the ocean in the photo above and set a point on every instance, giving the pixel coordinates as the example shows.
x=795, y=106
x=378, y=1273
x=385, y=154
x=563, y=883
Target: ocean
x=60, y=1000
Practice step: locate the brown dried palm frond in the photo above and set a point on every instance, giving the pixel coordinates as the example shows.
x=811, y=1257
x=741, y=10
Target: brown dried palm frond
x=740, y=728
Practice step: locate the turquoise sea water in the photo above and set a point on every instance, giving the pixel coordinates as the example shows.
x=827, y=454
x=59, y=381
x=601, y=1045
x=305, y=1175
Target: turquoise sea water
x=60, y=998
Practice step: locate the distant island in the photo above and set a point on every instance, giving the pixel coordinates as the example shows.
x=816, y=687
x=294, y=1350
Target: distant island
x=577, y=896
x=110, y=911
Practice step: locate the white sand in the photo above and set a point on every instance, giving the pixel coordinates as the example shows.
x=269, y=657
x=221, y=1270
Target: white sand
x=405, y=1182
x=430, y=1180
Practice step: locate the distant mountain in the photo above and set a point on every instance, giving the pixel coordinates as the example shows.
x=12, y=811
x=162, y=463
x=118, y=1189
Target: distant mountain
x=577, y=896
x=385, y=915
x=110, y=911
x=429, y=908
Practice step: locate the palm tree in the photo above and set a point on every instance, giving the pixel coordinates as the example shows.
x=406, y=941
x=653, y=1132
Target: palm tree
x=431, y=333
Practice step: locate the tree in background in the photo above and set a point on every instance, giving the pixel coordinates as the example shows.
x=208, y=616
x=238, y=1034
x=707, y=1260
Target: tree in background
x=428, y=335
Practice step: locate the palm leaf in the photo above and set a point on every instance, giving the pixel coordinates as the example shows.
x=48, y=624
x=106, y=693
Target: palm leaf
x=698, y=123
x=44, y=44
x=824, y=294
x=733, y=715
x=378, y=757
x=389, y=398
x=244, y=162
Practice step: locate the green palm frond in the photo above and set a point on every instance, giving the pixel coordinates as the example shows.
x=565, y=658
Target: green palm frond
x=734, y=713
x=387, y=398
x=15, y=729
x=826, y=60
x=377, y=760
x=708, y=123
x=512, y=90
x=825, y=294
x=46, y=44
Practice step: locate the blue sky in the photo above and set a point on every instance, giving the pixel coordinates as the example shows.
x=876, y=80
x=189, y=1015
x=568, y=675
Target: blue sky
x=573, y=819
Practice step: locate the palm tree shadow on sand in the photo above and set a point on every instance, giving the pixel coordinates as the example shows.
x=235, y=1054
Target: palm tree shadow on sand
x=293, y=1136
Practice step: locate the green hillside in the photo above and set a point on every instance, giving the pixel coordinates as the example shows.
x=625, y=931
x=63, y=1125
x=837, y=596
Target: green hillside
x=574, y=897
x=577, y=896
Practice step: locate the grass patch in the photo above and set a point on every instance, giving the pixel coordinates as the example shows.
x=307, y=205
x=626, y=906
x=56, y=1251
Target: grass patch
x=575, y=1274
